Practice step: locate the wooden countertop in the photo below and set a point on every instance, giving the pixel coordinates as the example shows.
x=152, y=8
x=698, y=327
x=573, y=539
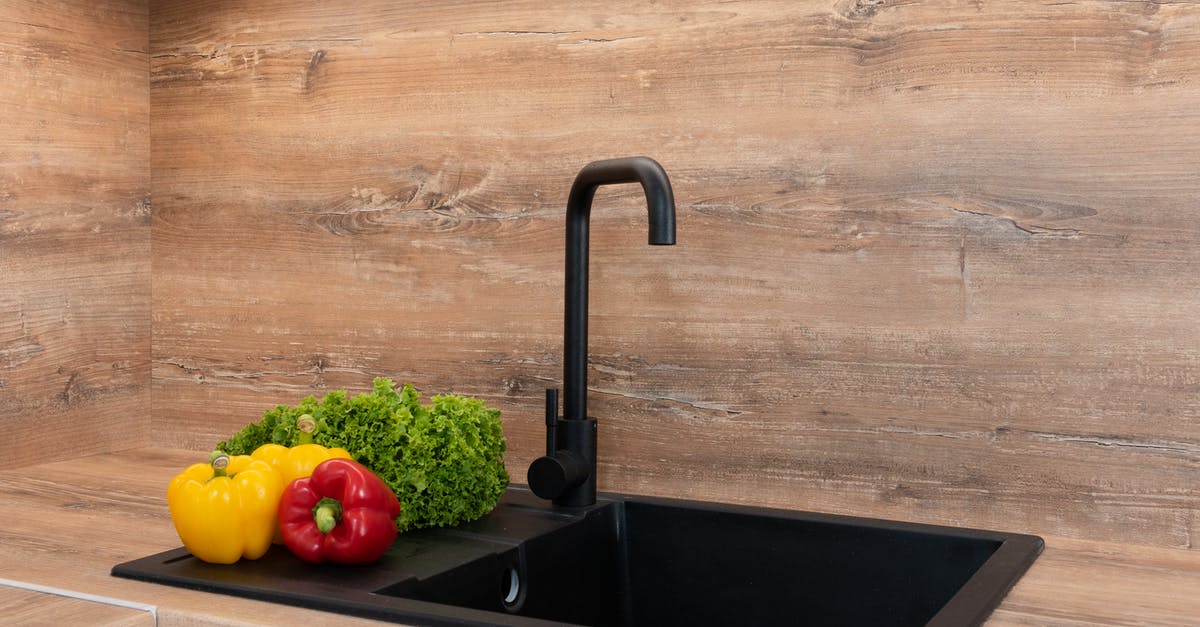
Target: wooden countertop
x=67, y=523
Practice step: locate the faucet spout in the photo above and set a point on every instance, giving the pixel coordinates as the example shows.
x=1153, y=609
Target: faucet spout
x=567, y=472
x=660, y=203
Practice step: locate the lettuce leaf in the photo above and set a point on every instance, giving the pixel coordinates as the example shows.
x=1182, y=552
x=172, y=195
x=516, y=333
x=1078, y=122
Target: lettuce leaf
x=445, y=461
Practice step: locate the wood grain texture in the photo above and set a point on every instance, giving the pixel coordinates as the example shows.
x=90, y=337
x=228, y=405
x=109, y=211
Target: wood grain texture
x=1077, y=582
x=40, y=609
x=74, y=228
x=936, y=262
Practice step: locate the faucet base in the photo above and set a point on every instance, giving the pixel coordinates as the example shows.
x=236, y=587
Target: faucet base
x=579, y=436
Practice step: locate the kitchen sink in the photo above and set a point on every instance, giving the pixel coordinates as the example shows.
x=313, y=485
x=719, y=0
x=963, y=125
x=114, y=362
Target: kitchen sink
x=631, y=560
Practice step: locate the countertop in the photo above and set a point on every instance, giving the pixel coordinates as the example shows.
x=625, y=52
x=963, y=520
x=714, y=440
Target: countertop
x=67, y=523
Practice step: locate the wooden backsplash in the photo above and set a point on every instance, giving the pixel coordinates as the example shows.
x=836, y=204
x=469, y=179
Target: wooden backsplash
x=937, y=261
x=74, y=228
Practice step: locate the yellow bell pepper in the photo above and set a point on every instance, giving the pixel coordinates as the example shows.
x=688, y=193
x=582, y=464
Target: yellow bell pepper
x=298, y=461
x=227, y=509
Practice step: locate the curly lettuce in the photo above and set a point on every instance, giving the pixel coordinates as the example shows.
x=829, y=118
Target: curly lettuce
x=445, y=461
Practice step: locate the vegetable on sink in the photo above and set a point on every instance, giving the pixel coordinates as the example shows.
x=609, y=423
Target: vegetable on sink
x=343, y=513
x=444, y=461
x=298, y=461
x=227, y=509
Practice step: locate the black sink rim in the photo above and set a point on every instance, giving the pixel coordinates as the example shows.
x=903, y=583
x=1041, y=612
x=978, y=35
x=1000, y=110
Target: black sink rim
x=800, y=514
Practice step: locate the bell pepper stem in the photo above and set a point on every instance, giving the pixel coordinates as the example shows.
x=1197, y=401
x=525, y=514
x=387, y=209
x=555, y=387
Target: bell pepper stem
x=306, y=424
x=219, y=462
x=327, y=513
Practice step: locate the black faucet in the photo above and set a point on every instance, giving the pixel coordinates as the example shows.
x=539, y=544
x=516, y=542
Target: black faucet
x=567, y=473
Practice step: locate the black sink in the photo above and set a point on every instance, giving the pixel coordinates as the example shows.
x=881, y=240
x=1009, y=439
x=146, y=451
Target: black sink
x=643, y=561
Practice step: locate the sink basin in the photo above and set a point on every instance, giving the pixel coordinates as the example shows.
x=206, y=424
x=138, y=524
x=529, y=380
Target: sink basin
x=641, y=561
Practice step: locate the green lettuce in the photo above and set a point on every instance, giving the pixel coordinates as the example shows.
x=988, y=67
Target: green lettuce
x=445, y=461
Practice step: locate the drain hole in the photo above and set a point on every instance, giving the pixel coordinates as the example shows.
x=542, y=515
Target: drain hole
x=511, y=594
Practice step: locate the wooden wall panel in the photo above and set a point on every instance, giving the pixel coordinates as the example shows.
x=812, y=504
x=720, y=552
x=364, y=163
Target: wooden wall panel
x=74, y=228
x=936, y=262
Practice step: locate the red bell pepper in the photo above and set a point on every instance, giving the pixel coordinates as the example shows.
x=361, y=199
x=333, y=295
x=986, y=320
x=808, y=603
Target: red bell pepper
x=343, y=513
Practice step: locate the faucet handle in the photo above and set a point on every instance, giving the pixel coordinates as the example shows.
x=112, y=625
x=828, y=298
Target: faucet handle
x=551, y=476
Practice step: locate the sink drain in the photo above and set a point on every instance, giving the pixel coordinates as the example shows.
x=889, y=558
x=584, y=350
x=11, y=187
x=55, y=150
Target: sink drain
x=512, y=593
